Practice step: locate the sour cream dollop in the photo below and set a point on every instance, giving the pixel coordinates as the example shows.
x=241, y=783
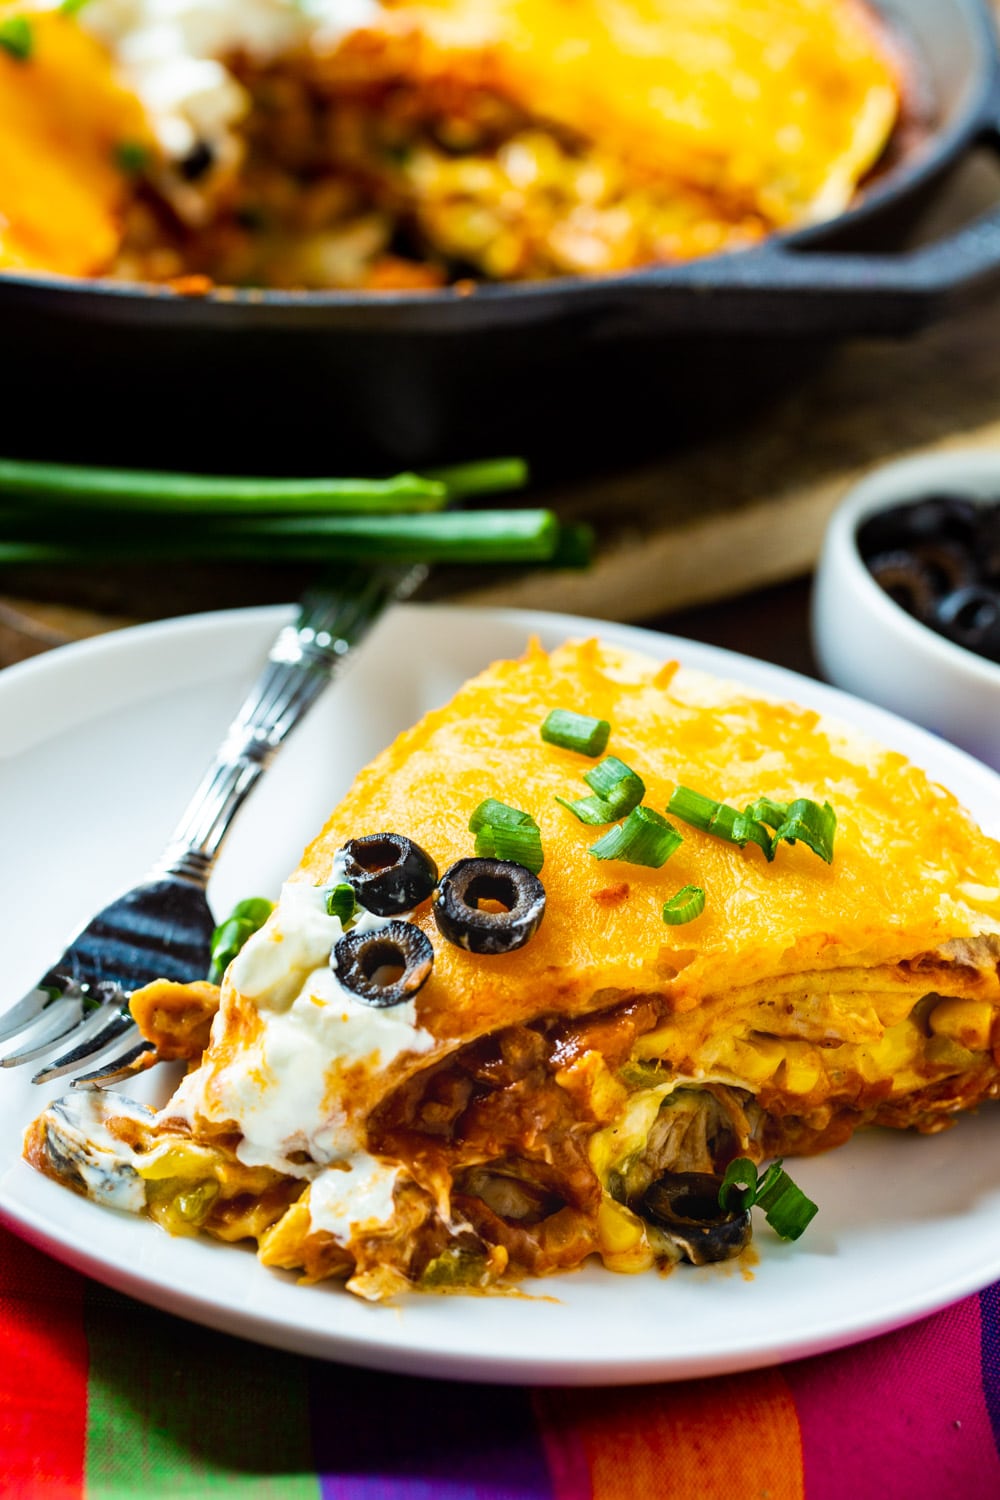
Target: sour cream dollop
x=284, y=1088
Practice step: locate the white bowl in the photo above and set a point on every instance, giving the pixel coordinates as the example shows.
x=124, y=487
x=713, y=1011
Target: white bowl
x=867, y=644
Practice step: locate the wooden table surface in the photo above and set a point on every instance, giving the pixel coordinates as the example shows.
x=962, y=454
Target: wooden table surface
x=733, y=513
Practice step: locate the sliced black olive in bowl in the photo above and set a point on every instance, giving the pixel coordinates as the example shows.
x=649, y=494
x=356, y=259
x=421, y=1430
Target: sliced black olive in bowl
x=388, y=873
x=949, y=565
x=385, y=967
x=489, y=905
x=971, y=617
x=987, y=544
x=905, y=579
x=685, y=1206
x=935, y=518
x=938, y=559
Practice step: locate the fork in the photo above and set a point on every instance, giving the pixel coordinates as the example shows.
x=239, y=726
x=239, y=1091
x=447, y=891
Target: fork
x=162, y=928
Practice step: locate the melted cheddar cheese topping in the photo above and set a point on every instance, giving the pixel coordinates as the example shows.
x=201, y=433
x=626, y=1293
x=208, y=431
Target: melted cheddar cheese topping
x=783, y=107
x=911, y=870
x=63, y=115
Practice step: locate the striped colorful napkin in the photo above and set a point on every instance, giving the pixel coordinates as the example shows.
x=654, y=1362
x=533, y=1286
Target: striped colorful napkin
x=103, y=1398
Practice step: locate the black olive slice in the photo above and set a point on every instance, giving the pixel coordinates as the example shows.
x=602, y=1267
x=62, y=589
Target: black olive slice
x=385, y=967
x=935, y=518
x=685, y=1205
x=389, y=873
x=949, y=565
x=905, y=579
x=516, y=905
x=971, y=617
x=199, y=160
x=986, y=544
x=939, y=558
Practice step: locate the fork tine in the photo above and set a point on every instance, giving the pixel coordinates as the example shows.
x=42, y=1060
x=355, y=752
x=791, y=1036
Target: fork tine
x=62, y=1018
x=21, y=1015
x=93, y=1041
x=119, y=1067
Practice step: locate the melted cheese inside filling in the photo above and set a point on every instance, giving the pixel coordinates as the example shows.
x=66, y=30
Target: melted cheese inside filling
x=62, y=114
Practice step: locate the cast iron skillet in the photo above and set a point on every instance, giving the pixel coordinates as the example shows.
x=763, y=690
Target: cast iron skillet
x=563, y=370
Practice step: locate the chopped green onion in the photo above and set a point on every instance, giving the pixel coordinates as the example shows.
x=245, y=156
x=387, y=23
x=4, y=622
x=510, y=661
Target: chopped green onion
x=688, y=903
x=254, y=909
x=802, y=819
x=341, y=902
x=720, y=819
x=193, y=1205
x=643, y=1075
x=748, y=830
x=228, y=938
x=617, y=785
x=618, y=790
x=693, y=808
x=577, y=732
x=499, y=815
x=593, y=811
x=17, y=38
x=738, y=1185
x=71, y=7
x=813, y=824
x=766, y=811
x=723, y=822
x=131, y=157
x=645, y=838
x=504, y=832
x=522, y=846
x=786, y=1207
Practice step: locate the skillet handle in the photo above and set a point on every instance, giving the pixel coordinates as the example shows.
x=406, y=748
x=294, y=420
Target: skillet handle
x=785, y=289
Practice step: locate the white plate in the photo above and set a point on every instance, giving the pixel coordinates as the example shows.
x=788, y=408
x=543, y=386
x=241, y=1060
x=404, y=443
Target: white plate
x=100, y=745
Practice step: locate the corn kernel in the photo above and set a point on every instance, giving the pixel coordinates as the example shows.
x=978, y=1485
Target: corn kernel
x=624, y=1246
x=630, y=1262
x=944, y=1052
x=593, y=1086
x=965, y=1021
x=619, y=1229
x=657, y=1044
x=800, y=1070
x=757, y=1061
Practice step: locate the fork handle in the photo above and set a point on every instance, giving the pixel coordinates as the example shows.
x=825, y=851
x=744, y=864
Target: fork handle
x=305, y=657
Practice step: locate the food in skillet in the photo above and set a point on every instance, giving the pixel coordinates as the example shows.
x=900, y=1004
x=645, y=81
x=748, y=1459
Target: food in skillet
x=326, y=143
x=688, y=927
